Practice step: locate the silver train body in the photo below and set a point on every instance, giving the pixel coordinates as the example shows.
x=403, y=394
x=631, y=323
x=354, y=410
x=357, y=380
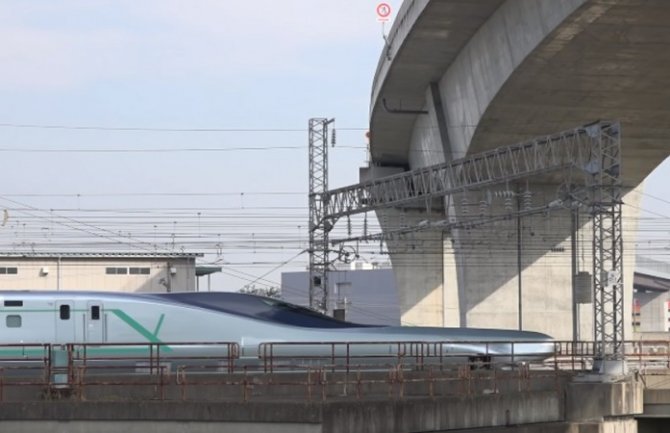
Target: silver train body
x=188, y=325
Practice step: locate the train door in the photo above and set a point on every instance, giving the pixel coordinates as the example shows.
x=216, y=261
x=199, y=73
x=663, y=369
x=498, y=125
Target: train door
x=65, y=332
x=94, y=323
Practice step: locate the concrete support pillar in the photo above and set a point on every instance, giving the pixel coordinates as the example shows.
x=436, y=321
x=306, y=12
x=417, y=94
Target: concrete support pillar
x=417, y=265
x=516, y=273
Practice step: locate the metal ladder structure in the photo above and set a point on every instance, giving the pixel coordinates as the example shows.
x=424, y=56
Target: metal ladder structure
x=319, y=224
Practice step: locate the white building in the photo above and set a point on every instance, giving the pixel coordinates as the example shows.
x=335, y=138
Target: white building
x=651, y=293
x=122, y=272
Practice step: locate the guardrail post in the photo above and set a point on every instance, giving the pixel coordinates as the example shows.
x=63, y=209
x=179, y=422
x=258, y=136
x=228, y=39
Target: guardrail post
x=431, y=383
x=324, y=383
x=181, y=381
x=358, y=384
x=309, y=384
x=71, y=371
x=245, y=387
x=158, y=358
x=390, y=381
x=465, y=374
x=348, y=357
x=80, y=373
x=161, y=388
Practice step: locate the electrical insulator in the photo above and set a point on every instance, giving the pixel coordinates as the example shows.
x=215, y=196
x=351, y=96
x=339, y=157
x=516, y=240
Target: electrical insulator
x=527, y=199
x=508, y=203
x=333, y=138
x=483, y=206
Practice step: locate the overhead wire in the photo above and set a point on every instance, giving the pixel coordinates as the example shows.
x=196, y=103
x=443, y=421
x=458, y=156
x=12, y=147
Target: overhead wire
x=274, y=239
x=159, y=129
x=160, y=150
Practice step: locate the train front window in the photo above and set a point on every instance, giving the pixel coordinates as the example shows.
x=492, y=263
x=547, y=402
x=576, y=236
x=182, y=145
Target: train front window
x=65, y=312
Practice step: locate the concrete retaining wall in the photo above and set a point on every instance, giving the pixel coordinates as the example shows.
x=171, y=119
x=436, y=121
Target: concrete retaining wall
x=384, y=416
x=577, y=408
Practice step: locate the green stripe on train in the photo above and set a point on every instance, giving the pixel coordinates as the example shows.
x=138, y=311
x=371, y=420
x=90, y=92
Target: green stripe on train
x=151, y=337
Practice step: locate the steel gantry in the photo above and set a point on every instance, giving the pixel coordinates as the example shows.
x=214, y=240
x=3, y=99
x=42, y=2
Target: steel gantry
x=543, y=155
x=319, y=224
x=586, y=159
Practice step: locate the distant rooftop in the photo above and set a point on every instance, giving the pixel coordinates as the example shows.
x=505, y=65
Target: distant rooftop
x=360, y=265
x=648, y=283
x=652, y=267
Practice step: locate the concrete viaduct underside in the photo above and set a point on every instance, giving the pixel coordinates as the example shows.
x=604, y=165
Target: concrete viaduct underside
x=463, y=76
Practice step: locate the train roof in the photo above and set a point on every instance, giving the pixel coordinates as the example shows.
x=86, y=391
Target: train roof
x=240, y=304
x=257, y=307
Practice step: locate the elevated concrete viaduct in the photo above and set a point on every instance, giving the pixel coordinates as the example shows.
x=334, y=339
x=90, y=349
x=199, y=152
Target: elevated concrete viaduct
x=464, y=76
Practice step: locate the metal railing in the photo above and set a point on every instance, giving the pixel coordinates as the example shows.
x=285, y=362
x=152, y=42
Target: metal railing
x=370, y=355
x=217, y=371
x=149, y=357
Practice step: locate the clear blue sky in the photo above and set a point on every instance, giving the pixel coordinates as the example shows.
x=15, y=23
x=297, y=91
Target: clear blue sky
x=239, y=196
x=178, y=65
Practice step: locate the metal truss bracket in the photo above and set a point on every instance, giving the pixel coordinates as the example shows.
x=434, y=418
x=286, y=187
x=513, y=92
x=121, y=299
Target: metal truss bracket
x=592, y=151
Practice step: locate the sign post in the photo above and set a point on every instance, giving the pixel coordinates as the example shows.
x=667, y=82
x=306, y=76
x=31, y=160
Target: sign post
x=383, y=12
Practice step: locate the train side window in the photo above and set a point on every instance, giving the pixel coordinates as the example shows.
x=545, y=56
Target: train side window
x=13, y=303
x=13, y=321
x=65, y=312
x=95, y=312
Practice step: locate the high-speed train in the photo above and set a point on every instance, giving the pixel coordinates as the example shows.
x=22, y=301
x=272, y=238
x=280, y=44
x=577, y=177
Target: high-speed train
x=187, y=324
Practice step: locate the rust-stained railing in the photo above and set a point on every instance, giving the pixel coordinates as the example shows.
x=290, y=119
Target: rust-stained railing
x=279, y=371
x=151, y=356
x=343, y=356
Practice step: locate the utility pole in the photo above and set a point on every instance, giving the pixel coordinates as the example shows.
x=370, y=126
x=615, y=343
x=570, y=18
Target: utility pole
x=319, y=227
x=606, y=203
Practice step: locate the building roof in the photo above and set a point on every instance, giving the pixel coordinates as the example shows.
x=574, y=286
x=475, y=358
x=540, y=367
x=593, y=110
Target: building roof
x=98, y=255
x=206, y=270
x=650, y=283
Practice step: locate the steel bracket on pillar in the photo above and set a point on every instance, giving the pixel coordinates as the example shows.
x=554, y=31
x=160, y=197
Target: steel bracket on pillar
x=593, y=151
x=505, y=164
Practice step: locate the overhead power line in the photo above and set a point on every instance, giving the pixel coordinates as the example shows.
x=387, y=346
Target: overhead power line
x=151, y=129
x=159, y=150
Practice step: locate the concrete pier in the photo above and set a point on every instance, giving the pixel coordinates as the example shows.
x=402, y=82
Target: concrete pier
x=458, y=78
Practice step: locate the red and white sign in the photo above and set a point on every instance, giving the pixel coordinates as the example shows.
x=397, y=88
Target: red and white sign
x=383, y=12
